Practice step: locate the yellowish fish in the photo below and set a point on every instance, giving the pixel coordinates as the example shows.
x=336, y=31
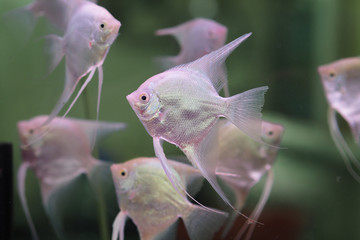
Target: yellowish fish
x=146, y=195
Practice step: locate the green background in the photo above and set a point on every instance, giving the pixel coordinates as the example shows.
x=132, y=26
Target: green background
x=313, y=196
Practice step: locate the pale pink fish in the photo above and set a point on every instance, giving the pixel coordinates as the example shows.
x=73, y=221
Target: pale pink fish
x=181, y=106
x=90, y=32
x=341, y=82
x=59, y=156
x=56, y=12
x=241, y=163
x=196, y=38
x=146, y=195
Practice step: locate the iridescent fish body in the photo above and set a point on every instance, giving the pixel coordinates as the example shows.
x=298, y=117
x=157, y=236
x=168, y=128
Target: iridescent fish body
x=196, y=38
x=59, y=156
x=341, y=82
x=147, y=197
x=182, y=105
x=90, y=32
x=241, y=162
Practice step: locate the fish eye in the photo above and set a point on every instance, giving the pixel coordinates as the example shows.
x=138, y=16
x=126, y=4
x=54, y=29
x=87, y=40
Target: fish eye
x=102, y=26
x=270, y=133
x=31, y=130
x=123, y=173
x=144, y=97
x=332, y=74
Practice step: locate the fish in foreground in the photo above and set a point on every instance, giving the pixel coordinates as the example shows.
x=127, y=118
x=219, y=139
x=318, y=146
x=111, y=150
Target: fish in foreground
x=145, y=195
x=196, y=38
x=341, y=82
x=59, y=156
x=241, y=163
x=182, y=106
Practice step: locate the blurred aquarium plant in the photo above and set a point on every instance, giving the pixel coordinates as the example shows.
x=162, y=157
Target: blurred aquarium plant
x=312, y=192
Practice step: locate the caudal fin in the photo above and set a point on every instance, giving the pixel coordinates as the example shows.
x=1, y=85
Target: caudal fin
x=244, y=111
x=201, y=223
x=21, y=189
x=21, y=22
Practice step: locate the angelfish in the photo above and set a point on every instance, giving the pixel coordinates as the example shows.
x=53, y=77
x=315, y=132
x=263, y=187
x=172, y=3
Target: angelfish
x=341, y=82
x=196, y=38
x=146, y=196
x=89, y=33
x=241, y=163
x=59, y=156
x=182, y=105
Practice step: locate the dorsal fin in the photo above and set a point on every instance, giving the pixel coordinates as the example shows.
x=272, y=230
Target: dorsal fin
x=212, y=64
x=98, y=129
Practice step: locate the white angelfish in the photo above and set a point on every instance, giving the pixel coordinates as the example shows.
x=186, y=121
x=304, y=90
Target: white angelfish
x=90, y=32
x=182, y=105
x=341, y=82
x=241, y=163
x=59, y=156
x=196, y=38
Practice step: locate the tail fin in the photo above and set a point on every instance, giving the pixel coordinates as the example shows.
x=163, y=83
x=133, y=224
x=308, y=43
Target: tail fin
x=21, y=188
x=21, y=22
x=203, y=224
x=344, y=149
x=244, y=111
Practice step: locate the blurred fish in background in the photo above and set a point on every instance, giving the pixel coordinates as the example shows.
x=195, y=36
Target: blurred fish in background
x=146, y=195
x=241, y=163
x=341, y=82
x=60, y=156
x=196, y=38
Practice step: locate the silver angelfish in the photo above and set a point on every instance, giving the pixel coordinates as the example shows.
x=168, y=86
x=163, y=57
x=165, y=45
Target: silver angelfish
x=60, y=156
x=241, y=163
x=196, y=38
x=89, y=33
x=341, y=82
x=146, y=196
x=182, y=105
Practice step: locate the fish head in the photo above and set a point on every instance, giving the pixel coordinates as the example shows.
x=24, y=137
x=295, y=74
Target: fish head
x=145, y=100
x=61, y=137
x=271, y=133
x=123, y=177
x=106, y=27
x=30, y=133
x=341, y=82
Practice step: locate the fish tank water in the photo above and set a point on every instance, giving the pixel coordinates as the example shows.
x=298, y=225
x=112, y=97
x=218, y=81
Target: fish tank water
x=313, y=195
